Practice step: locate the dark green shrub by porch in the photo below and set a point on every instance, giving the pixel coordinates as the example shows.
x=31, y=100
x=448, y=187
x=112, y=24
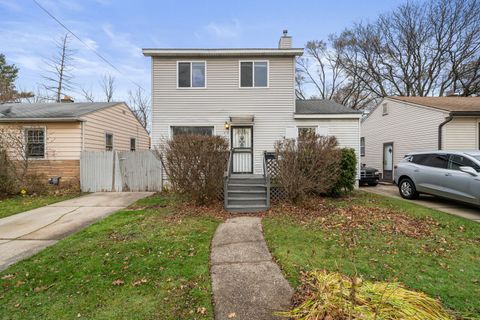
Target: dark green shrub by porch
x=348, y=173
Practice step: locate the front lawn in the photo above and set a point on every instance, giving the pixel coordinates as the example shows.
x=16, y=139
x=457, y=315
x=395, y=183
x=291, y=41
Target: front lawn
x=381, y=238
x=150, y=261
x=12, y=205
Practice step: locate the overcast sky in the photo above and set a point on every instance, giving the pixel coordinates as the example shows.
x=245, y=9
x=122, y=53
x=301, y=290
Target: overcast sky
x=118, y=30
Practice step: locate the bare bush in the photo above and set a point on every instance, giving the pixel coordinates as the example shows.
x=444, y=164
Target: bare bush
x=15, y=162
x=310, y=164
x=195, y=165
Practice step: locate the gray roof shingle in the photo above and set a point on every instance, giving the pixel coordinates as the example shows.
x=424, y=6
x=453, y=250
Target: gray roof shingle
x=322, y=106
x=24, y=111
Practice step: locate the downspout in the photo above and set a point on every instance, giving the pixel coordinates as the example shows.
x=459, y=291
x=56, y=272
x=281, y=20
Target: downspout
x=440, y=127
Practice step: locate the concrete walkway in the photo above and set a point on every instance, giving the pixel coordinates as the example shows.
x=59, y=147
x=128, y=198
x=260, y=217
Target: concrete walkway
x=449, y=206
x=24, y=234
x=247, y=284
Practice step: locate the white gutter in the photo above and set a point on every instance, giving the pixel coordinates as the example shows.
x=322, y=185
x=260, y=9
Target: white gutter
x=329, y=116
x=222, y=52
x=40, y=119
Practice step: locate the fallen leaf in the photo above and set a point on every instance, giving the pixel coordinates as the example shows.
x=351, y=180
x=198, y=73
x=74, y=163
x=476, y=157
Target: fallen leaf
x=232, y=315
x=118, y=282
x=202, y=310
x=139, y=282
x=8, y=276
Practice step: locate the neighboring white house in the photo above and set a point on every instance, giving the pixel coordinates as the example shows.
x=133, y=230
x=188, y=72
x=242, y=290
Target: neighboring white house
x=246, y=95
x=399, y=125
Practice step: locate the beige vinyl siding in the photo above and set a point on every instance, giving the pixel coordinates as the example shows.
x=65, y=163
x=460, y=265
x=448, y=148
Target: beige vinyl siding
x=63, y=139
x=272, y=107
x=345, y=130
x=117, y=120
x=410, y=128
x=461, y=134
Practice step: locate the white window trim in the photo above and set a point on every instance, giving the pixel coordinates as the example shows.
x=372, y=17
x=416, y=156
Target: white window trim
x=191, y=74
x=45, y=157
x=105, y=141
x=253, y=74
x=170, y=133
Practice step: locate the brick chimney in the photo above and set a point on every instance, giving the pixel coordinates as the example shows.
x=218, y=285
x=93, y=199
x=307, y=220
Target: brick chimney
x=285, y=41
x=66, y=99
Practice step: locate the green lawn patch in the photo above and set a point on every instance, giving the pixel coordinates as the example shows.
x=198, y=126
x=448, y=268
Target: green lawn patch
x=381, y=238
x=12, y=205
x=150, y=261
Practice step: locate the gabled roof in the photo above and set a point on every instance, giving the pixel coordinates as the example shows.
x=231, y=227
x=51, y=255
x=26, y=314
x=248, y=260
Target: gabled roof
x=452, y=104
x=241, y=52
x=50, y=111
x=322, y=106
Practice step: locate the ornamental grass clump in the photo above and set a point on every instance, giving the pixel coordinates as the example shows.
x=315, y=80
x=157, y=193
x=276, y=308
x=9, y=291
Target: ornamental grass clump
x=328, y=296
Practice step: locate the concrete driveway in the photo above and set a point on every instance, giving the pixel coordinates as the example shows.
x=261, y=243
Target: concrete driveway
x=24, y=234
x=445, y=205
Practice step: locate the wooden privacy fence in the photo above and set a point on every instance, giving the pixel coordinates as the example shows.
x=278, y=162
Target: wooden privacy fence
x=120, y=171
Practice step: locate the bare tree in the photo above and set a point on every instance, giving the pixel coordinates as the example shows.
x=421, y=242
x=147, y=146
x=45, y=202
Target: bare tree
x=419, y=49
x=87, y=94
x=322, y=70
x=140, y=105
x=107, y=84
x=59, y=76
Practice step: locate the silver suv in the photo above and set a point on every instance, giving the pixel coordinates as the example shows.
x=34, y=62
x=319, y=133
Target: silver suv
x=453, y=175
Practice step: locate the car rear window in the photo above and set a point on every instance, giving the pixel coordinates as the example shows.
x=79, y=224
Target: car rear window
x=431, y=160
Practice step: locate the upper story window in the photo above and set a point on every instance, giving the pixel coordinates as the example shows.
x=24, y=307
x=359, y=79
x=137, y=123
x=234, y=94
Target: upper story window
x=384, y=109
x=305, y=132
x=191, y=74
x=35, y=142
x=108, y=141
x=253, y=74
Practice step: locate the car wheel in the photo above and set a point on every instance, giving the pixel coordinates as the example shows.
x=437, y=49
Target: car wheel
x=407, y=189
x=373, y=184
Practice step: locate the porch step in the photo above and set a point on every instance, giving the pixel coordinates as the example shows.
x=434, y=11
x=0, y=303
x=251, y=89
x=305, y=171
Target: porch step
x=246, y=208
x=246, y=193
x=246, y=187
x=247, y=201
x=233, y=194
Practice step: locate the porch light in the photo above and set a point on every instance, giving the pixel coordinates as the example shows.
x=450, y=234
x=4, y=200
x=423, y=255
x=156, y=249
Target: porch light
x=227, y=125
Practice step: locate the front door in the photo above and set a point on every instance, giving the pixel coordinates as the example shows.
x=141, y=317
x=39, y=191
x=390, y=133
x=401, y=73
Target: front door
x=388, y=161
x=242, y=149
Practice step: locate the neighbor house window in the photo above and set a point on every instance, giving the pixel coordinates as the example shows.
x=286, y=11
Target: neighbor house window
x=304, y=132
x=108, y=141
x=133, y=144
x=35, y=142
x=362, y=146
x=191, y=74
x=205, y=131
x=253, y=74
x=384, y=109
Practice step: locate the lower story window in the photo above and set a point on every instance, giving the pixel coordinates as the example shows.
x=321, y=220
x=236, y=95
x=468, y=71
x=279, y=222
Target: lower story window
x=304, y=132
x=195, y=130
x=108, y=141
x=35, y=142
x=133, y=144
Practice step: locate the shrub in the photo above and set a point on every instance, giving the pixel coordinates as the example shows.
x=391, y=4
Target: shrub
x=7, y=174
x=195, y=165
x=307, y=165
x=335, y=296
x=348, y=173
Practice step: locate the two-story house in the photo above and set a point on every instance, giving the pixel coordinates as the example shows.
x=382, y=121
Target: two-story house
x=246, y=95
